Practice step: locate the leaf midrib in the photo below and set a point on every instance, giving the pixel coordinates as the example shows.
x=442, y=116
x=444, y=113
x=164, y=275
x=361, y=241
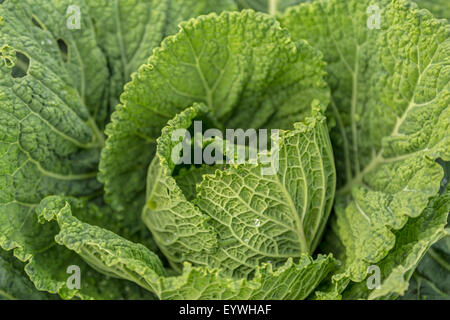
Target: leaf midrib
x=290, y=202
x=378, y=157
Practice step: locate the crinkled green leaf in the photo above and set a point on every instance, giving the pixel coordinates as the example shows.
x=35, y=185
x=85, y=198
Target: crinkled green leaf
x=440, y=8
x=412, y=243
x=269, y=6
x=95, y=245
x=260, y=217
x=51, y=118
x=52, y=111
x=49, y=142
x=243, y=66
x=14, y=282
x=242, y=217
x=292, y=281
x=129, y=30
x=390, y=102
x=118, y=257
x=189, y=178
x=390, y=98
x=46, y=263
x=431, y=281
x=49, y=272
x=76, y=81
x=178, y=226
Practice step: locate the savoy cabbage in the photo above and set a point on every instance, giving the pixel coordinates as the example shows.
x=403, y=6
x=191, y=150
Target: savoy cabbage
x=92, y=92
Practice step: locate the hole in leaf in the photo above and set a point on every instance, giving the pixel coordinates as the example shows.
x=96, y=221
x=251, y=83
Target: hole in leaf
x=64, y=49
x=22, y=66
x=37, y=23
x=446, y=179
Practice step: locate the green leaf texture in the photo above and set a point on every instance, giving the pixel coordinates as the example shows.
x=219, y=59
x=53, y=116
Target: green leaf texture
x=292, y=281
x=440, y=8
x=54, y=88
x=50, y=111
x=94, y=244
x=241, y=217
x=271, y=217
x=243, y=66
x=118, y=257
x=178, y=227
x=129, y=30
x=390, y=102
x=412, y=243
x=431, y=279
x=188, y=178
x=46, y=263
x=49, y=141
x=14, y=283
x=272, y=7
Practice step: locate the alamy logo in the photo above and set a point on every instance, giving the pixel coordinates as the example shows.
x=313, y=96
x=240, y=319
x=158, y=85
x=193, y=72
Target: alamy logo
x=374, y=280
x=74, y=281
x=73, y=17
x=374, y=19
x=238, y=147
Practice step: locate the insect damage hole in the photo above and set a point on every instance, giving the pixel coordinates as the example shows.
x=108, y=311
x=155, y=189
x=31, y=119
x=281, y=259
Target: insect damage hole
x=21, y=67
x=64, y=49
x=37, y=23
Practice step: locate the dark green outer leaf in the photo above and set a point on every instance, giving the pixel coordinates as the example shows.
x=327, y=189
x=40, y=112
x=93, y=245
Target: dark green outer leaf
x=49, y=136
x=49, y=142
x=14, y=282
x=431, y=280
